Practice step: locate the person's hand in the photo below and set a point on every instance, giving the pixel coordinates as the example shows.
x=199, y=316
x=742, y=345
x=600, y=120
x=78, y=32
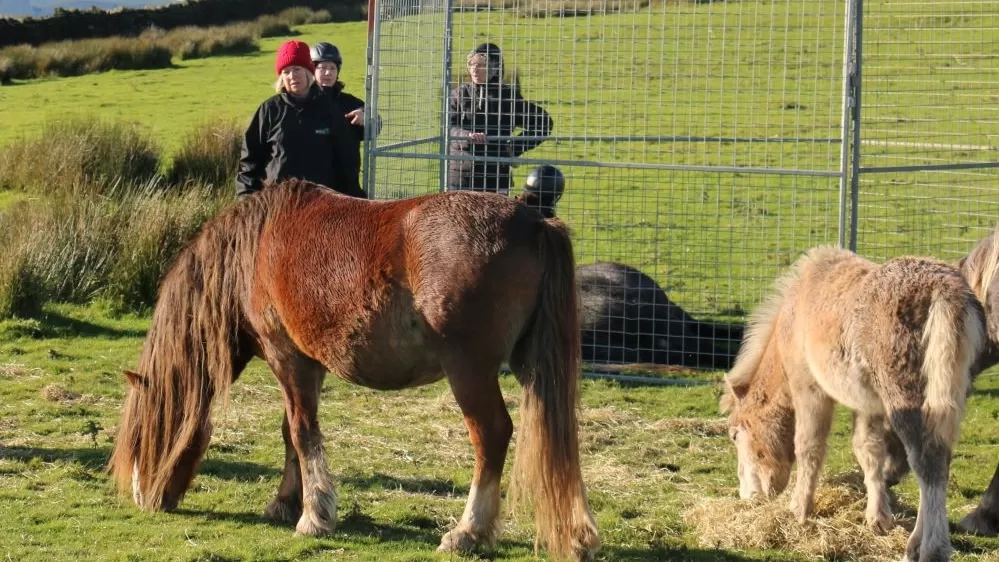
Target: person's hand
x=477, y=138
x=356, y=117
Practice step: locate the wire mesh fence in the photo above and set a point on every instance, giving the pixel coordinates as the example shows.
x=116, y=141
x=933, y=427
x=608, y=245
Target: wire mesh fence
x=929, y=127
x=705, y=145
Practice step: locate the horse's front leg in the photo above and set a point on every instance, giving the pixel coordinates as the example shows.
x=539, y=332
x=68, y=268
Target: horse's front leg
x=870, y=448
x=287, y=506
x=812, y=420
x=478, y=395
x=301, y=380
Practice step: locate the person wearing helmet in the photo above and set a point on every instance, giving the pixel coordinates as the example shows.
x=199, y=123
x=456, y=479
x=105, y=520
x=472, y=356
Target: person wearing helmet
x=480, y=111
x=542, y=189
x=328, y=62
x=297, y=133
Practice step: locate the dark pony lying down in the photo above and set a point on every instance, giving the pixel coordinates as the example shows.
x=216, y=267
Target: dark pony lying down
x=627, y=318
x=388, y=295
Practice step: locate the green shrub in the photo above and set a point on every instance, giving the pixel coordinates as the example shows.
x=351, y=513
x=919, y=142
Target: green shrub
x=200, y=42
x=21, y=294
x=156, y=229
x=74, y=58
x=104, y=248
x=58, y=251
x=271, y=26
x=209, y=157
x=154, y=48
x=301, y=14
x=79, y=155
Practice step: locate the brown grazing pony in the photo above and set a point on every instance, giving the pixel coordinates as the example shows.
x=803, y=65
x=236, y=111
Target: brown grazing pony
x=895, y=343
x=388, y=295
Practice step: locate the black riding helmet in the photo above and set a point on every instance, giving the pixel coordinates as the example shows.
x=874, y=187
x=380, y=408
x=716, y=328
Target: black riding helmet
x=326, y=52
x=547, y=182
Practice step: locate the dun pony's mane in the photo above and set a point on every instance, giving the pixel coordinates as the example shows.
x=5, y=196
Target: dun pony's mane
x=761, y=325
x=981, y=265
x=190, y=353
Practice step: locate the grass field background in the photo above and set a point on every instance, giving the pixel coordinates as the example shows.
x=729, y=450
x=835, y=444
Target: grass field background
x=714, y=241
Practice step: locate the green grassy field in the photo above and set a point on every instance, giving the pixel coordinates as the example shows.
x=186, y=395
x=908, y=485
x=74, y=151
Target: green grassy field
x=402, y=460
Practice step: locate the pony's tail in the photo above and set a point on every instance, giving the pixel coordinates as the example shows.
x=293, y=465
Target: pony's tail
x=546, y=361
x=952, y=339
x=192, y=353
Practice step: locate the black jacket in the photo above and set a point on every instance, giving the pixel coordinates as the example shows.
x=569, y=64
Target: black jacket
x=308, y=140
x=348, y=103
x=496, y=110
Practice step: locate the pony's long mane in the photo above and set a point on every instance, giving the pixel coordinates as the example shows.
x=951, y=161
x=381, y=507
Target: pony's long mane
x=759, y=330
x=191, y=353
x=762, y=323
x=980, y=266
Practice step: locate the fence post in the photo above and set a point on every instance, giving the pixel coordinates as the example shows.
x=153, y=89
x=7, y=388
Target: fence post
x=446, y=95
x=855, y=82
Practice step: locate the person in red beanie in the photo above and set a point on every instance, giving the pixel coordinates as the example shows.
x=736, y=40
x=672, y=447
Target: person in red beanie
x=298, y=133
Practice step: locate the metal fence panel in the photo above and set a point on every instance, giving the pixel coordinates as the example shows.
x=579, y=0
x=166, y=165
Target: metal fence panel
x=707, y=144
x=929, y=127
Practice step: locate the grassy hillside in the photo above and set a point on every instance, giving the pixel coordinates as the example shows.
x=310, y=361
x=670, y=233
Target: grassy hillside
x=171, y=102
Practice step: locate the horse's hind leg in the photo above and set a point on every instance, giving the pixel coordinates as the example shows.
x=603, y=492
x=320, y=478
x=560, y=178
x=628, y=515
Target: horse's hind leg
x=870, y=448
x=477, y=391
x=930, y=462
x=301, y=380
x=812, y=421
x=287, y=506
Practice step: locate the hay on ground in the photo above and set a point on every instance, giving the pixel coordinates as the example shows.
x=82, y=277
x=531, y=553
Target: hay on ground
x=836, y=530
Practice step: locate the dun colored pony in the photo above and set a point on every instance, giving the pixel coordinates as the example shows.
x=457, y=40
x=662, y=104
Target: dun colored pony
x=388, y=295
x=980, y=269
x=895, y=343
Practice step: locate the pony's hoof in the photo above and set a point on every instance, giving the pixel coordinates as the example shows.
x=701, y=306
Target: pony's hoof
x=880, y=523
x=939, y=555
x=461, y=542
x=281, y=511
x=979, y=523
x=312, y=526
x=800, y=510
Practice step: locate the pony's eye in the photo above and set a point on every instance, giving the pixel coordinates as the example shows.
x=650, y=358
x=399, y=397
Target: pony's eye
x=733, y=432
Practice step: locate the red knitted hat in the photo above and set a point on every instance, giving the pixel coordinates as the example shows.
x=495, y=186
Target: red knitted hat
x=293, y=53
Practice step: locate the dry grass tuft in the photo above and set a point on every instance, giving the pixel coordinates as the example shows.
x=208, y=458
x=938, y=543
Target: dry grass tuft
x=837, y=530
x=55, y=392
x=701, y=427
x=18, y=371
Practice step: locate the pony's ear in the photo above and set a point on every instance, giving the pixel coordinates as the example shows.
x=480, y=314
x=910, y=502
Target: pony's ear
x=135, y=380
x=730, y=395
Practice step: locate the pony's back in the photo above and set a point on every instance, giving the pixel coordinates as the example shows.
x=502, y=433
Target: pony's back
x=762, y=325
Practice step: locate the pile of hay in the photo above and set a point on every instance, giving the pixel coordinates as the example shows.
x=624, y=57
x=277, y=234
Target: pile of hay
x=836, y=530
